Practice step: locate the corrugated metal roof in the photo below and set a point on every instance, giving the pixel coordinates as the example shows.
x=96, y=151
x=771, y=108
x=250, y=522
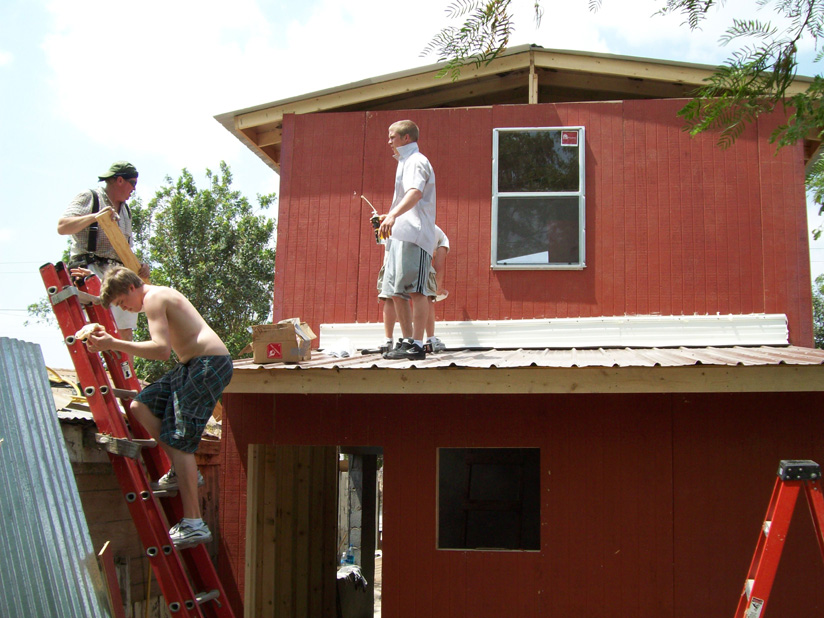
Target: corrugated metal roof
x=574, y=370
x=572, y=357
x=47, y=563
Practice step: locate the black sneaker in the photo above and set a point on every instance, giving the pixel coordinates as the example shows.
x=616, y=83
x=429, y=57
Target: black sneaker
x=408, y=350
x=393, y=348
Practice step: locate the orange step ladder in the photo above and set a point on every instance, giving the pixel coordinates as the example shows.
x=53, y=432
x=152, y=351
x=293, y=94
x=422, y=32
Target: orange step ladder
x=75, y=305
x=793, y=475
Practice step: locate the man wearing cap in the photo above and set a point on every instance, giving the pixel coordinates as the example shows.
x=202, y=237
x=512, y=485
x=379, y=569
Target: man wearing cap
x=91, y=249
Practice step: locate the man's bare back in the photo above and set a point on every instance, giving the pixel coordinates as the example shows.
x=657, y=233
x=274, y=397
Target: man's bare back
x=189, y=334
x=174, y=325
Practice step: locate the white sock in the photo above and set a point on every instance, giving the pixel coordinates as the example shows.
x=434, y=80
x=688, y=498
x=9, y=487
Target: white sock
x=194, y=523
x=420, y=343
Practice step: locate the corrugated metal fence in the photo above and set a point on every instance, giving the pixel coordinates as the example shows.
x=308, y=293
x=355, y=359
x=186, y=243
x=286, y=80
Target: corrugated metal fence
x=47, y=563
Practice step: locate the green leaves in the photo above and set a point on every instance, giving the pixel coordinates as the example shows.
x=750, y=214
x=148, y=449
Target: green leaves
x=818, y=311
x=212, y=246
x=484, y=34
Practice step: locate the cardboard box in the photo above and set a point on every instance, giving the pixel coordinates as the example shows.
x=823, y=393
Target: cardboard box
x=288, y=341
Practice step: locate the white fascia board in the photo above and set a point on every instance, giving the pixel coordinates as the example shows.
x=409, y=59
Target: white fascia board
x=636, y=331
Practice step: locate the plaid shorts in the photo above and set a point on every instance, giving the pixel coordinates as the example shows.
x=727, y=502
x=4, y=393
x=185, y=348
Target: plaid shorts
x=184, y=398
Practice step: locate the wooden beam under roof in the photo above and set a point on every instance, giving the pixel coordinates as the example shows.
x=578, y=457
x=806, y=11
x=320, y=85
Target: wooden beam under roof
x=531, y=380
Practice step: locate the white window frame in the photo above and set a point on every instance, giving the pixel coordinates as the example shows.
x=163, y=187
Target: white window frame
x=580, y=194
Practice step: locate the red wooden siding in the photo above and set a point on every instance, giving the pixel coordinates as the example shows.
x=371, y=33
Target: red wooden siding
x=651, y=504
x=675, y=225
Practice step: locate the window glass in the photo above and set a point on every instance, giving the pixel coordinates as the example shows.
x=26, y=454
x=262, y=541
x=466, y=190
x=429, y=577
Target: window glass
x=536, y=161
x=538, y=198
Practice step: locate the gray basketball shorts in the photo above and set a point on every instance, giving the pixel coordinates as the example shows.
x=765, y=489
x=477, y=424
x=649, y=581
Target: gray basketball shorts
x=405, y=270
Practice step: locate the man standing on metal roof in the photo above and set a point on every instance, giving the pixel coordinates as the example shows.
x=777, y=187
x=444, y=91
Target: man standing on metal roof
x=409, y=228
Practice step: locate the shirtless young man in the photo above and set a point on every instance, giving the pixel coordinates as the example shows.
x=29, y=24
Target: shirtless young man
x=175, y=409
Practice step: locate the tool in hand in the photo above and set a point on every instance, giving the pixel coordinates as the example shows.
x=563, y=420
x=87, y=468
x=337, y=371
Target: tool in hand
x=376, y=219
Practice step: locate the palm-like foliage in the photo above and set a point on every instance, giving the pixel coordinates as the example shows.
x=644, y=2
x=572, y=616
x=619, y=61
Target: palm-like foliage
x=755, y=79
x=483, y=35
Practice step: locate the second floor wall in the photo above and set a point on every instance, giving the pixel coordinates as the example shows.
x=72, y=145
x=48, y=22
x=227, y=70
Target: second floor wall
x=669, y=224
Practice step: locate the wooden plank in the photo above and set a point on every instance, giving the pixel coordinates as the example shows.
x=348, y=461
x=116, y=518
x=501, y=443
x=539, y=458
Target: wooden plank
x=268, y=136
x=110, y=576
x=118, y=241
x=267, y=534
x=329, y=554
x=317, y=533
x=304, y=574
x=693, y=379
x=252, y=592
x=284, y=528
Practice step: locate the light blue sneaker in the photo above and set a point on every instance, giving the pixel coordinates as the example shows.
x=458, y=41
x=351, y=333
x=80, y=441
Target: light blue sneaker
x=168, y=481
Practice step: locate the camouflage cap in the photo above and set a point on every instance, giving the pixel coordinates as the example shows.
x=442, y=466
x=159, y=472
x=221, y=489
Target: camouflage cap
x=123, y=169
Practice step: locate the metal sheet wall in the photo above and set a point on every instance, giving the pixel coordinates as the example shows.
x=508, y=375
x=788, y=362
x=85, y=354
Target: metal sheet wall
x=47, y=563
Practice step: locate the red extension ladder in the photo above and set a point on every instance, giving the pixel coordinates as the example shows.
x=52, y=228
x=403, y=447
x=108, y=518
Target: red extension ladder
x=793, y=475
x=75, y=305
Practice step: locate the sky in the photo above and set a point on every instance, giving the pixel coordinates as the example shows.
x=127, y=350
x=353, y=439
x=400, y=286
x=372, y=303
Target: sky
x=84, y=83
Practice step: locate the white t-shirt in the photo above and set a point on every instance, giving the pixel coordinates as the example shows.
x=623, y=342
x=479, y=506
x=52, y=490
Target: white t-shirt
x=417, y=225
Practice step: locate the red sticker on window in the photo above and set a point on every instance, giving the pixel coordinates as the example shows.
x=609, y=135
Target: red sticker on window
x=569, y=138
x=273, y=350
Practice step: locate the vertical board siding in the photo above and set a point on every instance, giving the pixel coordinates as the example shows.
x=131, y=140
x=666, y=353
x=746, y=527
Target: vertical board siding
x=726, y=451
x=786, y=248
x=321, y=219
x=674, y=224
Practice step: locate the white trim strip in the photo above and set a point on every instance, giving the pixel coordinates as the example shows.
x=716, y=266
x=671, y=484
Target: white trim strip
x=602, y=332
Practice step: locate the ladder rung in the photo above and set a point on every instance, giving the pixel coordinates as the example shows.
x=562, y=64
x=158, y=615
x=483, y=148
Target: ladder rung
x=164, y=493
x=123, y=446
x=203, y=597
x=84, y=297
x=122, y=393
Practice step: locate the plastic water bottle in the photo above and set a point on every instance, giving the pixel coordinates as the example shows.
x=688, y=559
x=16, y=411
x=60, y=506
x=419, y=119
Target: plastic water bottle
x=350, y=555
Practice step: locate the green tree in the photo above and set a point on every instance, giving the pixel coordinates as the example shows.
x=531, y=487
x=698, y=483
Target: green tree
x=752, y=81
x=212, y=246
x=818, y=311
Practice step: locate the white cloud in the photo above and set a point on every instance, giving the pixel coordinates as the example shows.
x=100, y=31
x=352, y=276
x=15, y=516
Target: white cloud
x=5, y=58
x=151, y=75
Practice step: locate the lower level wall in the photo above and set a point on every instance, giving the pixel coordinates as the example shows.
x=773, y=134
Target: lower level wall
x=650, y=504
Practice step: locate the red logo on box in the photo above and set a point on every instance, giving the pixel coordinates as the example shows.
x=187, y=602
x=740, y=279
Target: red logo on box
x=569, y=138
x=273, y=350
